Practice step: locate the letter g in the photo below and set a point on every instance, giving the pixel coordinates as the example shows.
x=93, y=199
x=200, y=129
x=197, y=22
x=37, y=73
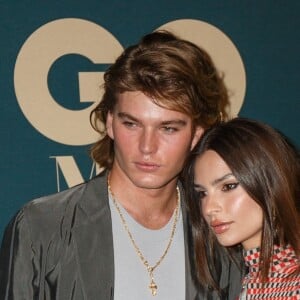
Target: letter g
x=37, y=55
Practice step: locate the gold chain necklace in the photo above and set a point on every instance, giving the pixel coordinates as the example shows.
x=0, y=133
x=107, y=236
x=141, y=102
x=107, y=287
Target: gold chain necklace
x=150, y=269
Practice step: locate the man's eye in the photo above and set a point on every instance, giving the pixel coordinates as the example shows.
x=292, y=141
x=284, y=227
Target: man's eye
x=230, y=186
x=169, y=129
x=129, y=124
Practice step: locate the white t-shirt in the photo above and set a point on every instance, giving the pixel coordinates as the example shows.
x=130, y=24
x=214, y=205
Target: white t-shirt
x=131, y=277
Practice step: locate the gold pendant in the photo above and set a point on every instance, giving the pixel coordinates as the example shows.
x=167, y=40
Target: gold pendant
x=153, y=287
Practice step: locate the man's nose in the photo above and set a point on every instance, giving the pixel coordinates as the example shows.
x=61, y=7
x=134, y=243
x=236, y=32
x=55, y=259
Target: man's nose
x=148, y=141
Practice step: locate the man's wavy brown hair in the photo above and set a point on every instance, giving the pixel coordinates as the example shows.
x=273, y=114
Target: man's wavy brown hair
x=175, y=73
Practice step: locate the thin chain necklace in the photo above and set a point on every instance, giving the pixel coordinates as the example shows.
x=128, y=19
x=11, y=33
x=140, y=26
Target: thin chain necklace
x=150, y=269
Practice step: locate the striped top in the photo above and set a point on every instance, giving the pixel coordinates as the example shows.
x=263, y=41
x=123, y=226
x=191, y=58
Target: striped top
x=283, y=282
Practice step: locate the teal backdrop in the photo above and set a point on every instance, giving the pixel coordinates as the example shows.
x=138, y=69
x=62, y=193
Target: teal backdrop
x=36, y=161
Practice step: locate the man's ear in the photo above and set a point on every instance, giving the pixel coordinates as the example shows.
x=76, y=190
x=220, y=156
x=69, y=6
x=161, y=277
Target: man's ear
x=197, y=135
x=109, y=126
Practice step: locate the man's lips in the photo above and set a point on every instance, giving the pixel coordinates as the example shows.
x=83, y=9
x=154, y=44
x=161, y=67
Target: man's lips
x=147, y=166
x=220, y=227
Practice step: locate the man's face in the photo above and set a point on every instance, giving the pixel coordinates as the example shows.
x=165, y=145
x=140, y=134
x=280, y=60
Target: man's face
x=150, y=142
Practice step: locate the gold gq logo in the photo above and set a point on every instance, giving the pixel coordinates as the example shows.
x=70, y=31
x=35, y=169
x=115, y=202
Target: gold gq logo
x=77, y=36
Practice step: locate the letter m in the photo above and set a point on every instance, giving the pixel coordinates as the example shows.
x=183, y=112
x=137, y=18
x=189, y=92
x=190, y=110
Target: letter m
x=67, y=166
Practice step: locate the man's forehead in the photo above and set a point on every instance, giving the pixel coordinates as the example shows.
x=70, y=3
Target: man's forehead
x=135, y=102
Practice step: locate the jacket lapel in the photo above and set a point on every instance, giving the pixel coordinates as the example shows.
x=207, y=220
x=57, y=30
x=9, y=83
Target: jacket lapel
x=93, y=241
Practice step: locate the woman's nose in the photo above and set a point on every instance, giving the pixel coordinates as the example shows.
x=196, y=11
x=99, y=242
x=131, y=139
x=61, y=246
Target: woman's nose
x=211, y=205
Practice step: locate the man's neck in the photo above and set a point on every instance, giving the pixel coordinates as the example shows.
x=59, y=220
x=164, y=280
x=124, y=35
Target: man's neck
x=152, y=208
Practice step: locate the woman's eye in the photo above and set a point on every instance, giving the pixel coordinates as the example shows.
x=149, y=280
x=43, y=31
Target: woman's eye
x=201, y=194
x=229, y=186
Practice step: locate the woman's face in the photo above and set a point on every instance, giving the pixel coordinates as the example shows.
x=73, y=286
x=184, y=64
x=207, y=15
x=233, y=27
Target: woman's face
x=230, y=212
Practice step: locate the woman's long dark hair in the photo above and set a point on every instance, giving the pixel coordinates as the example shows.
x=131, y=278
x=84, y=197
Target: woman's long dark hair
x=267, y=167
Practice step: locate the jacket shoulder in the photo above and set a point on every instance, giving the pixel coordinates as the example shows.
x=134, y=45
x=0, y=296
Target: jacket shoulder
x=56, y=212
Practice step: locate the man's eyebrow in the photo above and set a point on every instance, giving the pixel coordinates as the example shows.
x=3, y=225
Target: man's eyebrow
x=123, y=115
x=179, y=122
